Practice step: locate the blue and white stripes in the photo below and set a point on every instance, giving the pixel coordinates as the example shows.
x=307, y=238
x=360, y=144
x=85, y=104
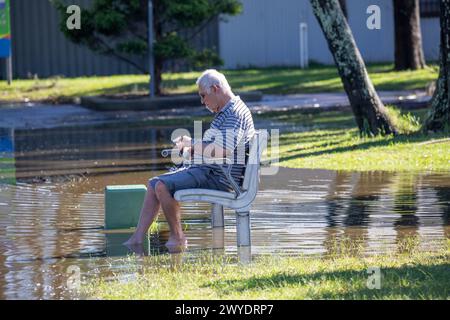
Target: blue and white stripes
x=231, y=129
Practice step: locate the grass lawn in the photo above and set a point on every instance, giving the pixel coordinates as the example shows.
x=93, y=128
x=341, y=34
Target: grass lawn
x=316, y=79
x=412, y=273
x=330, y=140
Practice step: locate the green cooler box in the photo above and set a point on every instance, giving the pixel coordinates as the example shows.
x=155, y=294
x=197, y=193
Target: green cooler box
x=123, y=205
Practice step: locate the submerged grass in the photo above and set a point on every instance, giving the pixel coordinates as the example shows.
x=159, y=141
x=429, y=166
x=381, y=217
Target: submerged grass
x=330, y=140
x=410, y=273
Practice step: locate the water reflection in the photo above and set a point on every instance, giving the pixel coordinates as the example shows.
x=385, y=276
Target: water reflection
x=61, y=153
x=406, y=206
x=52, y=210
x=45, y=228
x=443, y=197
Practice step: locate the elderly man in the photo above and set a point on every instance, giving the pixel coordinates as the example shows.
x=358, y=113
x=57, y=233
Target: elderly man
x=229, y=134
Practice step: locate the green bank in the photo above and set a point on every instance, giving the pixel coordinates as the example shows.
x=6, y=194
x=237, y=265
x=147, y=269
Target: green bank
x=316, y=79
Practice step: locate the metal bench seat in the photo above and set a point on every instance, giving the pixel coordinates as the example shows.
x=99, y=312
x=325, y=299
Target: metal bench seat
x=241, y=199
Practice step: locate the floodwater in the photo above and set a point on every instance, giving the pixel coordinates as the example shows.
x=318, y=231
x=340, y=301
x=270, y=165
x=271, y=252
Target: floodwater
x=52, y=208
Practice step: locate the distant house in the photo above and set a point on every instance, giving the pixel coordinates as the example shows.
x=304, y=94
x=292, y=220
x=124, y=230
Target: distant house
x=267, y=33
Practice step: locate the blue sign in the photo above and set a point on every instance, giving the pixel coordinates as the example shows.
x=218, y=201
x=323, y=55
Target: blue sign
x=5, y=48
x=5, y=30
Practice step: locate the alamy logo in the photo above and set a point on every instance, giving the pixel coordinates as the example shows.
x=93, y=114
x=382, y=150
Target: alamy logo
x=218, y=141
x=374, y=279
x=73, y=277
x=374, y=20
x=74, y=20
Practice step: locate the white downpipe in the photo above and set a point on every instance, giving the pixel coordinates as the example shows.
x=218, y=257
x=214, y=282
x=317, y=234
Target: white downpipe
x=303, y=34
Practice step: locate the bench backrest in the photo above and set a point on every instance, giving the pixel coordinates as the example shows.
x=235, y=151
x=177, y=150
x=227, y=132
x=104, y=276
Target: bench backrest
x=251, y=177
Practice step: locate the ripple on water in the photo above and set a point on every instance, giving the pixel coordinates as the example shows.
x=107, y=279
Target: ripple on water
x=56, y=225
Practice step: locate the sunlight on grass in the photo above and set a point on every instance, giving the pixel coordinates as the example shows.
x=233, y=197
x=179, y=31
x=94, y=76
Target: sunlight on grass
x=406, y=122
x=283, y=80
x=330, y=140
x=350, y=152
x=409, y=273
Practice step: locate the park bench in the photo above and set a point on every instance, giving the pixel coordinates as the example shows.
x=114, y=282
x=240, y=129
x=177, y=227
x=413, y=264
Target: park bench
x=242, y=196
x=129, y=198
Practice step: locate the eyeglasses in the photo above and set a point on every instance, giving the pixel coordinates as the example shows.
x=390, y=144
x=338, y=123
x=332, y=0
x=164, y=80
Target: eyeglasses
x=202, y=95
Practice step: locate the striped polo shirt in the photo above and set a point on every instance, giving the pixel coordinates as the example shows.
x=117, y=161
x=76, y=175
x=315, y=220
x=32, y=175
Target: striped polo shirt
x=232, y=129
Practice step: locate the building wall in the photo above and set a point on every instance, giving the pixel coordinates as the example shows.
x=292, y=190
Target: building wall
x=375, y=45
x=39, y=47
x=430, y=38
x=384, y=39
x=318, y=47
x=267, y=34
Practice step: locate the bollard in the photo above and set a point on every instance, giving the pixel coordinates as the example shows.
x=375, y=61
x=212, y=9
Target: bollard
x=123, y=205
x=244, y=255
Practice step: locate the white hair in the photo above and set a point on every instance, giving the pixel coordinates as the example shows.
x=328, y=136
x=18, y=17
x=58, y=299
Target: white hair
x=210, y=78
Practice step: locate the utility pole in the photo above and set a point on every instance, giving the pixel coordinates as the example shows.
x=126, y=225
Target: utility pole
x=151, y=63
x=9, y=73
x=5, y=37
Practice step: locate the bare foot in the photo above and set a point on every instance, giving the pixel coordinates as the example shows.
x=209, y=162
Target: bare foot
x=136, y=248
x=133, y=241
x=176, y=245
x=176, y=250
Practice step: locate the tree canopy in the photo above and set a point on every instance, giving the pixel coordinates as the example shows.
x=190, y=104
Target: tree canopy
x=120, y=28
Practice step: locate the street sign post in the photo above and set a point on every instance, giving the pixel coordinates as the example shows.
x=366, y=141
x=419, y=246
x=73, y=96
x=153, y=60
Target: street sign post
x=151, y=62
x=5, y=37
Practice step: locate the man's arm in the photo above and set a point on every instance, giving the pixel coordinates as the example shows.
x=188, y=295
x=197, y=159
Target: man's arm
x=210, y=150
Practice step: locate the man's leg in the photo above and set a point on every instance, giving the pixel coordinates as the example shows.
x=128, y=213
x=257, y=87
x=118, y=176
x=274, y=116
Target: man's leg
x=171, y=210
x=149, y=212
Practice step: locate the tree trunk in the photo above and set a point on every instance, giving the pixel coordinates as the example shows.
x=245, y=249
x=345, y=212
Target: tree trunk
x=158, y=75
x=408, y=35
x=370, y=113
x=439, y=116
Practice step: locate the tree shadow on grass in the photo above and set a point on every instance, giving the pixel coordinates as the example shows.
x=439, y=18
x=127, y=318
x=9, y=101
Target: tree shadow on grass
x=414, y=282
x=120, y=89
x=366, y=145
x=138, y=88
x=267, y=81
x=273, y=80
x=303, y=140
x=300, y=149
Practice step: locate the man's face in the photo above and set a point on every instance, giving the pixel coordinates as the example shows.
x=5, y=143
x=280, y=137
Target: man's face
x=209, y=99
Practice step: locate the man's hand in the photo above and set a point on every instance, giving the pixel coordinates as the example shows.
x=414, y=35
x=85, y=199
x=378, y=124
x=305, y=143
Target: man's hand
x=210, y=150
x=182, y=142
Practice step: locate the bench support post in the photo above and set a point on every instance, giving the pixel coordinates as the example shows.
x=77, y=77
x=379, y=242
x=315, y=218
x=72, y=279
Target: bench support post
x=245, y=255
x=217, y=220
x=243, y=228
x=218, y=238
